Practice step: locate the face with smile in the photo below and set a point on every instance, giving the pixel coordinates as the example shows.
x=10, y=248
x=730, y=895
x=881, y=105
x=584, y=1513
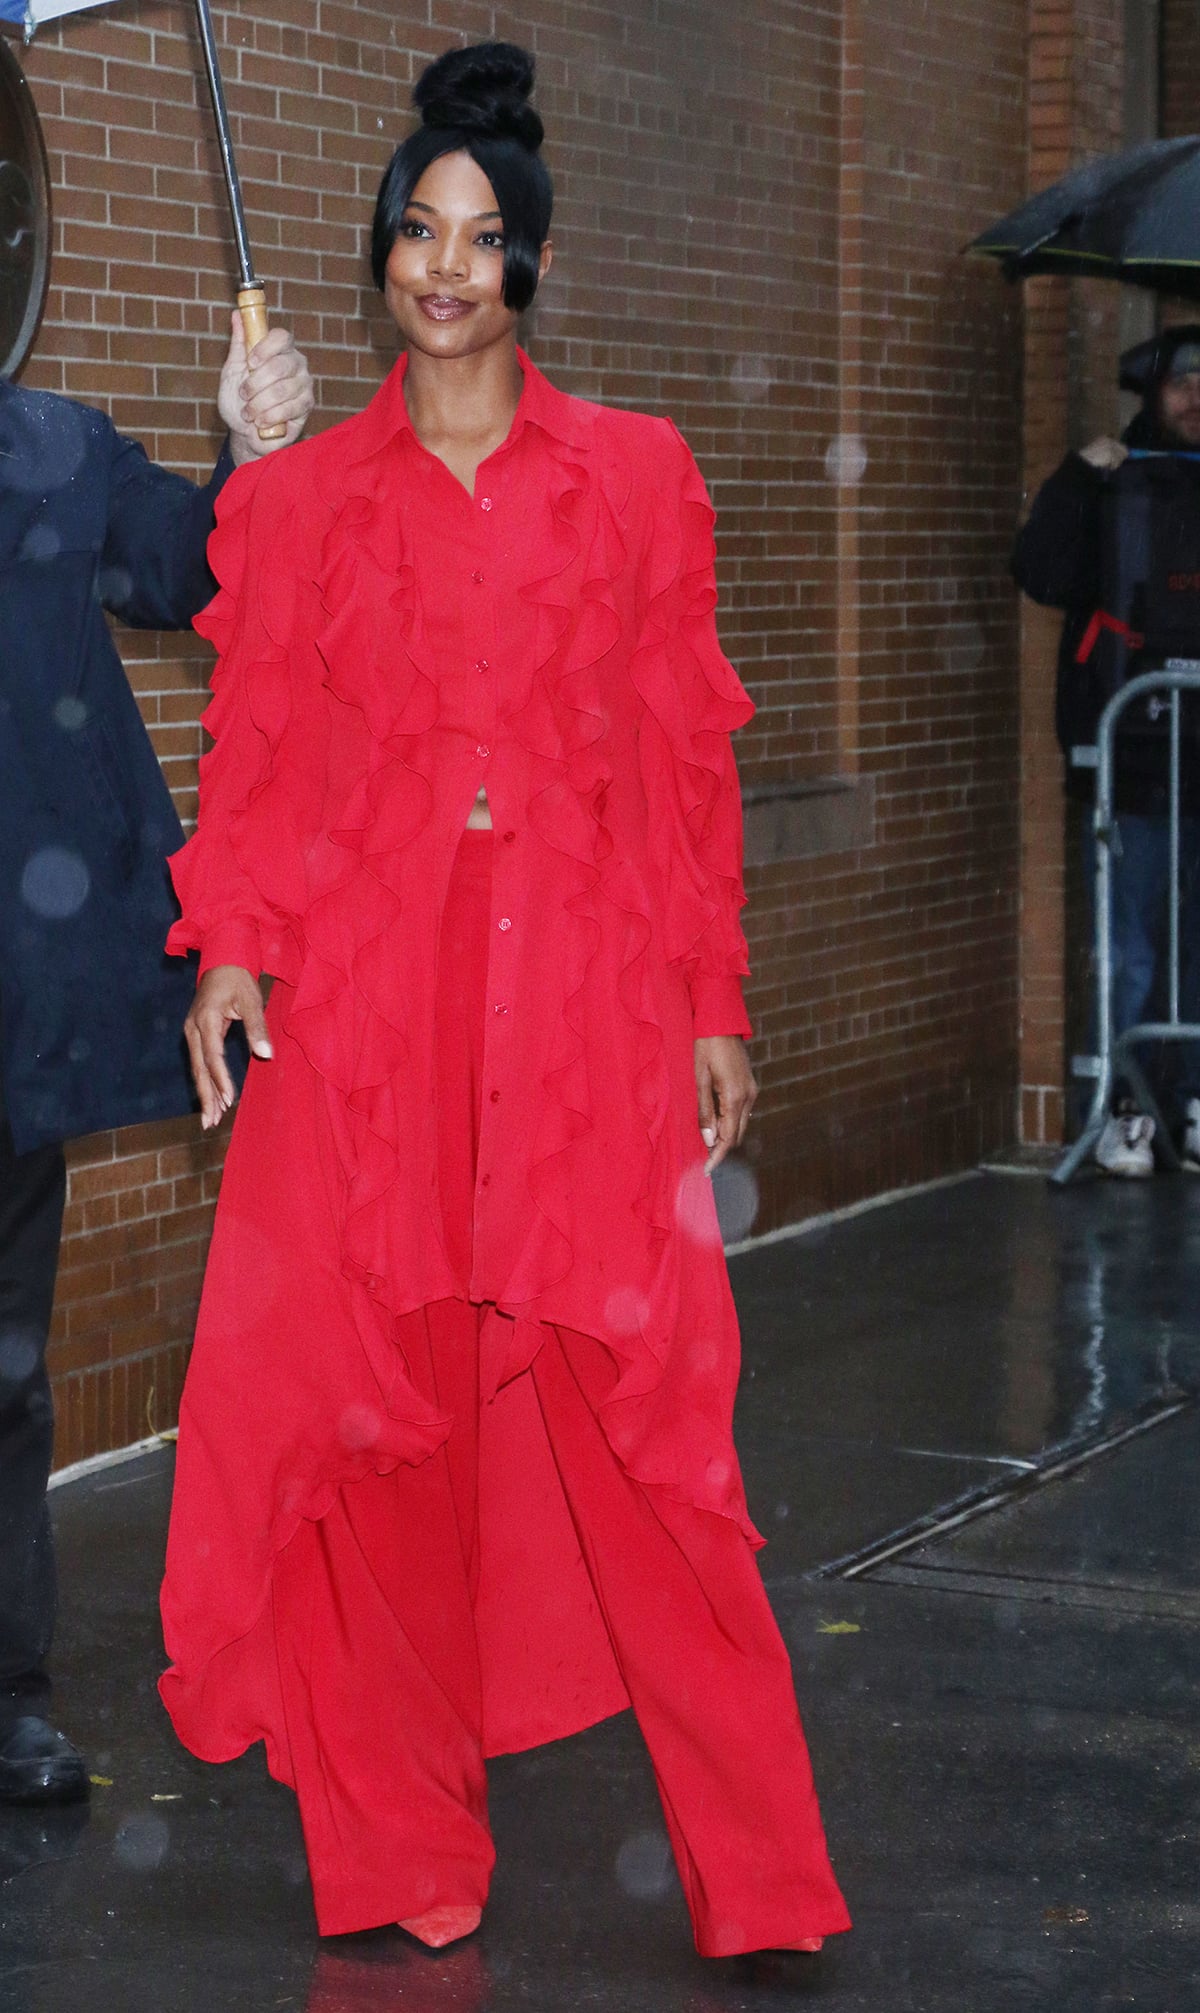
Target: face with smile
x=1179, y=408
x=444, y=280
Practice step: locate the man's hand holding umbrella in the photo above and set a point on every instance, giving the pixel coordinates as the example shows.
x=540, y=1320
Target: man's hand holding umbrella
x=259, y=392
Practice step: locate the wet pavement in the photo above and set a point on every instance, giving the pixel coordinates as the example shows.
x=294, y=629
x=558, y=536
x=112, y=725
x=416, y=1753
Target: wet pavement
x=1001, y=1698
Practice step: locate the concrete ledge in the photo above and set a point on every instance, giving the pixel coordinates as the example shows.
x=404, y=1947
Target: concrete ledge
x=799, y=821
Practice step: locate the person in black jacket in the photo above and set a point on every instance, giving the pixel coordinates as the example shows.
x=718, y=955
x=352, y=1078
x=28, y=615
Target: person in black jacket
x=1113, y=539
x=91, y=1009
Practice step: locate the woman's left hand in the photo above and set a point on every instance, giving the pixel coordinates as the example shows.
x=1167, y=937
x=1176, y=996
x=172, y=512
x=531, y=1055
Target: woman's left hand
x=726, y=1089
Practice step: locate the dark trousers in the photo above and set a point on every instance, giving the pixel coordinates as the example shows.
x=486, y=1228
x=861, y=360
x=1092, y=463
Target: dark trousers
x=32, y=1187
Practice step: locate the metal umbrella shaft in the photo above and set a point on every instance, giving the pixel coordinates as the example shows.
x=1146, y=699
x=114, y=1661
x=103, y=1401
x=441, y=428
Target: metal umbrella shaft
x=251, y=300
x=212, y=64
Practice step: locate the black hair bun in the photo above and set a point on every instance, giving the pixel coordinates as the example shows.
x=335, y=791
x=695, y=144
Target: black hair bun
x=483, y=90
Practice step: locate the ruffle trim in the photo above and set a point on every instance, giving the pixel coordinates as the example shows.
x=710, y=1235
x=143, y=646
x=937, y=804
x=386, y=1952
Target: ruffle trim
x=693, y=694
x=336, y=930
x=251, y=679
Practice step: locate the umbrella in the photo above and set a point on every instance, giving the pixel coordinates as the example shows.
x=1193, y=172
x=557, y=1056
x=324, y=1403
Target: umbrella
x=251, y=298
x=1133, y=216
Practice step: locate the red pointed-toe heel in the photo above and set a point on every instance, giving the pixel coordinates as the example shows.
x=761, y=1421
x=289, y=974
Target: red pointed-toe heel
x=448, y=1924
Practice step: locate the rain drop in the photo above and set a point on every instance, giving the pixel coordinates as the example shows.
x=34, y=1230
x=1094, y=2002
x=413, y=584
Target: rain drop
x=846, y=458
x=114, y=586
x=751, y=378
x=41, y=542
x=359, y=1428
x=626, y=1311
x=20, y=1353
x=70, y=714
x=55, y=883
x=735, y=1191
x=644, y=1866
x=142, y=1843
x=965, y=647
x=695, y=1211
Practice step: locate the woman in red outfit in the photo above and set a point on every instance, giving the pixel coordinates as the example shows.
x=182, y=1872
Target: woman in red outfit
x=456, y=1473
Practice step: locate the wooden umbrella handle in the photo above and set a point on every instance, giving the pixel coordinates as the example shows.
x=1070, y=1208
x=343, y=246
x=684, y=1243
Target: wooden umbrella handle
x=252, y=306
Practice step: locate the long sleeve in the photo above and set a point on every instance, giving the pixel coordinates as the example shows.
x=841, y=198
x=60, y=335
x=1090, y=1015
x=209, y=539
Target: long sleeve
x=226, y=914
x=694, y=701
x=1057, y=556
x=153, y=571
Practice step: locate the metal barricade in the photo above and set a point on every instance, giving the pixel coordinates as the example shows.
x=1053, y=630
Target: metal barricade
x=1114, y=1053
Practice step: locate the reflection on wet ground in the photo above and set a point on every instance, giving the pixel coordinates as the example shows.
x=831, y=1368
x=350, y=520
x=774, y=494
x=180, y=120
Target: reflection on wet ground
x=898, y=1359
x=1002, y=1722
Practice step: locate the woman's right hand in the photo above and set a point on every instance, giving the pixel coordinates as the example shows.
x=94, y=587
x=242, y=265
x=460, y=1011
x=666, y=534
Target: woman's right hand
x=225, y=993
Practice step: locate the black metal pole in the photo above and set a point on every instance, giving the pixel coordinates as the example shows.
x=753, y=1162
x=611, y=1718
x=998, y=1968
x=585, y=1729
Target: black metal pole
x=225, y=142
x=251, y=300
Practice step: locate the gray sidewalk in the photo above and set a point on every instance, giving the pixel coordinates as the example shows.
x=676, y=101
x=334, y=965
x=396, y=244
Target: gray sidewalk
x=1001, y=1708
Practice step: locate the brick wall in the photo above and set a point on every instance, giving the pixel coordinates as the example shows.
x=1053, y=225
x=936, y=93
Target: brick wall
x=1180, y=68
x=760, y=215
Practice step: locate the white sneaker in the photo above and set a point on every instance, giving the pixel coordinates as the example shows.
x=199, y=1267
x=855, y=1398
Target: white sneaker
x=1189, y=1151
x=1124, y=1145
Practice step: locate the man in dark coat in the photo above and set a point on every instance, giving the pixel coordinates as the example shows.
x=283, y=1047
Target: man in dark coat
x=1113, y=538
x=91, y=1010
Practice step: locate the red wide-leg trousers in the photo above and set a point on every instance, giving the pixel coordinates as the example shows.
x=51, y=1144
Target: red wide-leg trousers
x=374, y=1619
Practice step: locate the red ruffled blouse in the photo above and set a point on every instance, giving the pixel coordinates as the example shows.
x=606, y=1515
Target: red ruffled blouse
x=389, y=644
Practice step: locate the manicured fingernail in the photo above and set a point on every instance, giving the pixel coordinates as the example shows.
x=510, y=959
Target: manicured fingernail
x=708, y=1134
x=264, y=1049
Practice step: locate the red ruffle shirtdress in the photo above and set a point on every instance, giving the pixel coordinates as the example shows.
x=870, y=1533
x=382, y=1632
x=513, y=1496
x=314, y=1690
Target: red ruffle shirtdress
x=390, y=644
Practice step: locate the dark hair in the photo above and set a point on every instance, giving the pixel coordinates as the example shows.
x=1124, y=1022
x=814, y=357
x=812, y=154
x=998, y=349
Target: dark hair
x=475, y=101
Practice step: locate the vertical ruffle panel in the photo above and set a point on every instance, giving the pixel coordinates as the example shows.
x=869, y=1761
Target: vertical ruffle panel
x=674, y=1384
x=694, y=701
x=218, y=873
x=571, y=721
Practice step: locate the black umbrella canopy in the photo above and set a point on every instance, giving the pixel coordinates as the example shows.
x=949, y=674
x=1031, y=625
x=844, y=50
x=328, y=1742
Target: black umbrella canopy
x=1133, y=216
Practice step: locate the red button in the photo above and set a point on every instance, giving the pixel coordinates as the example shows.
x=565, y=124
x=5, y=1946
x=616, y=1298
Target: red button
x=477, y=577
x=495, y=1097
x=483, y=751
x=504, y=923
x=485, y=503
x=481, y=664
x=484, y=1180
x=500, y=1009
x=509, y=837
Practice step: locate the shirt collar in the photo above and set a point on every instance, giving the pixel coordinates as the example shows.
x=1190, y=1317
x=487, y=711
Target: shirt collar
x=541, y=404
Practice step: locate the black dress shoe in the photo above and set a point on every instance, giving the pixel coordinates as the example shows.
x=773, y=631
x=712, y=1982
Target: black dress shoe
x=39, y=1765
